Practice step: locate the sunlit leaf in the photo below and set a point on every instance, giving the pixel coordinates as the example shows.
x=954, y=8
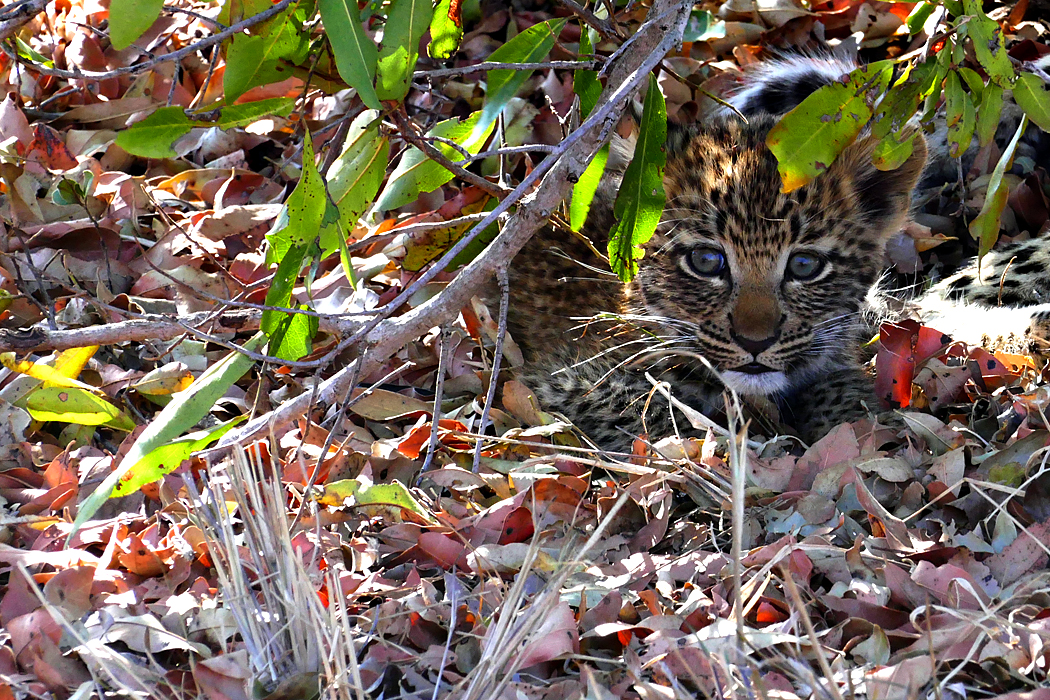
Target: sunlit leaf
x=702, y=26
x=960, y=115
x=355, y=176
x=185, y=410
x=583, y=191
x=356, y=55
x=988, y=113
x=415, y=173
x=153, y=136
x=252, y=61
x=75, y=405
x=352, y=492
x=641, y=198
x=164, y=459
x=585, y=82
x=988, y=45
x=289, y=333
x=129, y=19
x=530, y=46
x=1031, y=94
x=240, y=115
x=446, y=29
x=809, y=138
x=918, y=16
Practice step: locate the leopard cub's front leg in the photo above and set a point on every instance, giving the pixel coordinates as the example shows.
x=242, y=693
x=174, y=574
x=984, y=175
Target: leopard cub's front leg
x=838, y=398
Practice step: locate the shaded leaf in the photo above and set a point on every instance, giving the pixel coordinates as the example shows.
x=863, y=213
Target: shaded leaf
x=356, y=55
x=985, y=228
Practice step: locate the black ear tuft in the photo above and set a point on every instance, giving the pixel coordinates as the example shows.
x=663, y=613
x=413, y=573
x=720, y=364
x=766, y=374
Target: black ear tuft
x=884, y=195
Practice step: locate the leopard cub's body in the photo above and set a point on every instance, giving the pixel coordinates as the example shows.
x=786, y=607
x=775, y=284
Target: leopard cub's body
x=741, y=286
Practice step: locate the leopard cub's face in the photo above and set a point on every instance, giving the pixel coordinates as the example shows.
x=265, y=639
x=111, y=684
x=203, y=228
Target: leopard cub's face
x=767, y=286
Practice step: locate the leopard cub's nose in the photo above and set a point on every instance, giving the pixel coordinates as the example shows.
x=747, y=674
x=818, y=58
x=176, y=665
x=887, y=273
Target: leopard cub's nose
x=755, y=347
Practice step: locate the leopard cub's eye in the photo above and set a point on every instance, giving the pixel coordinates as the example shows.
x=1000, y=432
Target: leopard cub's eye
x=707, y=261
x=804, y=266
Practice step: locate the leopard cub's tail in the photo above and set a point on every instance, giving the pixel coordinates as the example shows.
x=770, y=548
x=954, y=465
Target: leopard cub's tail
x=1003, y=305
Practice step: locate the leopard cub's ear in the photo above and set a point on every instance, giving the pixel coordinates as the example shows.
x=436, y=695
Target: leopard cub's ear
x=884, y=195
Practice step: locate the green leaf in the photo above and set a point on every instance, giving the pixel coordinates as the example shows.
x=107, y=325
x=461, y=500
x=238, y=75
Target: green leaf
x=153, y=136
x=355, y=54
x=702, y=26
x=989, y=112
x=973, y=81
x=351, y=492
x=902, y=101
x=988, y=45
x=186, y=409
x=585, y=82
x=252, y=61
x=985, y=228
x=583, y=191
x=129, y=19
x=918, y=16
x=446, y=29
x=303, y=211
x=641, y=198
x=808, y=138
x=75, y=405
x=307, y=205
x=415, y=173
x=891, y=154
x=233, y=11
x=960, y=115
x=166, y=458
x=244, y=114
x=32, y=55
x=355, y=176
x=530, y=46
x=407, y=21
x=1031, y=95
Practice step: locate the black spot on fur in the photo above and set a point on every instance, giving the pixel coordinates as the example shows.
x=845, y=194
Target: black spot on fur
x=1029, y=267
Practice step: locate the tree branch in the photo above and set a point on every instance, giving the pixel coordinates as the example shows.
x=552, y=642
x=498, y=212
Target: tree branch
x=13, y=17
x=655, y=39
x=182, y=53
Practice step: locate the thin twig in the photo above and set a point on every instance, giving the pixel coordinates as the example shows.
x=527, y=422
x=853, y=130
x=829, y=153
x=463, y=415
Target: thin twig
x=497, y=356
x=439, y=390
x=507, y=150
x=196, y=46
x=407, y=131
x=496, y=65
x=13, y=18
x=603, y=26
x=818, y=650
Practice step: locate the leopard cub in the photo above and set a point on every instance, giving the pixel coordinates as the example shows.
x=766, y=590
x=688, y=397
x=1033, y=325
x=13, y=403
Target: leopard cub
x=742, y=286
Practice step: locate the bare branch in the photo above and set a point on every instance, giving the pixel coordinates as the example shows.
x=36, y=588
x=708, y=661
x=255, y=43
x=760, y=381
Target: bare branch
x=12, y=18
x=182, y=53
x=657, y=37
x=149, y=327
x=496, y=65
